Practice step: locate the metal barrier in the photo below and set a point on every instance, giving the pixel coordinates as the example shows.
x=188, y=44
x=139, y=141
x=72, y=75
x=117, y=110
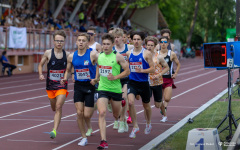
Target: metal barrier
x=39, y=39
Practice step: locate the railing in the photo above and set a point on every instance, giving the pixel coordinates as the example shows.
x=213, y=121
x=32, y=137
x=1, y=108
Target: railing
x=39, y=40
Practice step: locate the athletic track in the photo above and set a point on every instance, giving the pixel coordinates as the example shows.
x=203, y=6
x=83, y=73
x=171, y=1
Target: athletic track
x=26, y=116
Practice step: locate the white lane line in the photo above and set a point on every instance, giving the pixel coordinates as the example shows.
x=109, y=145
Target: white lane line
x=184, y=73
x=31, y=141
x=192, y=66
x=33, y=127
x=29, y=110
x=19, y=81
x=143, y=110
x=113, y=144
x=22, y=76
x=109, y=124
x=22, y=91
x=26, y=91
x=153, y=143
x=195, y=76
x=21, y=85
x=26, y=99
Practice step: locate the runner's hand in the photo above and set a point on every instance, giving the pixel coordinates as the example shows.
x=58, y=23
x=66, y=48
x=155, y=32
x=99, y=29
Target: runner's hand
x=110, y=77
x=41, y=77
x=93, y=81
x=138, y=70
x=174, y=76
x=63, y=81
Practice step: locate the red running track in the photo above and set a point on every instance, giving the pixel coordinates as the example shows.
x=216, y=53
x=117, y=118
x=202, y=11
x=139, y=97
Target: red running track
x=26, y=116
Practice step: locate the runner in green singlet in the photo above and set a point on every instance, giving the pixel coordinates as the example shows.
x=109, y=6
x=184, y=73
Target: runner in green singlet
x=108, y=69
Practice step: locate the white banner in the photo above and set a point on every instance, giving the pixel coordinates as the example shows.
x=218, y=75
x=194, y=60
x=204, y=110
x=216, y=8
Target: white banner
x=17, y=37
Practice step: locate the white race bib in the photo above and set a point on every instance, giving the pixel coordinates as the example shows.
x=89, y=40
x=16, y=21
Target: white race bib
x=82, y=74
x=105, y=70
x=134, y=65
x=56, y=75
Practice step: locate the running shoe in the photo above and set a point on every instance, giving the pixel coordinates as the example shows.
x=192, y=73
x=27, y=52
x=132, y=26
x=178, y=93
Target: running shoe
x=148, y=128
x=125, y=126
x=134, y=132
x=53, y=134
x=115, y=126
x=109, y=107
x=89, y=132
x=164, y=119
x=103, y=144
x=83, y=142
x=129, y=120
x=121, y=127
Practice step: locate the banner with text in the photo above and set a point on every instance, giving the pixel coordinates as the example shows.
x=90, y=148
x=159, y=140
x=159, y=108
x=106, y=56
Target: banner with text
x=17, y=37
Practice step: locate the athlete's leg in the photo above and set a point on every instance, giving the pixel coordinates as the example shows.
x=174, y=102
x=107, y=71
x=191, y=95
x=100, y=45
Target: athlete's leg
x=53, y=103
x=124, y=109
x=116, y=105
x=88, y=112
x=148, y=112
x=167, y=94
x=102, y=106
x=131, y=98
x=60, y=99
x=80, y=118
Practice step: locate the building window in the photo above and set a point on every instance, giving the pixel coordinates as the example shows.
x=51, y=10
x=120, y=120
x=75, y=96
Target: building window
x=20, y=60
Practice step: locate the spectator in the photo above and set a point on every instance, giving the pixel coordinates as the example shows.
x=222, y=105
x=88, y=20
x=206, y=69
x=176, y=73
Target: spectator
x=6, y=63
x=81, y=17
x=83, y=28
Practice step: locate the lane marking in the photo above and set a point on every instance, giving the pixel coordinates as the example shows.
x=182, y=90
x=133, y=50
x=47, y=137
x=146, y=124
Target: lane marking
x=25, y=91
x=34, y=126
x=107, y=125
x=30, y=110
x=143, y=110
x=31, y=141
x=21, y=86
x=18, y=81
x=153, y=143
x=26, y=99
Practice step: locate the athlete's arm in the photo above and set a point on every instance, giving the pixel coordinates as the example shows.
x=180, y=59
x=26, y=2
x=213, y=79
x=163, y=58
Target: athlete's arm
x=68, y=69
x=42, y=62
x=124, y=64
x=99, y=48
x=148, y=58
x=94, y=57
x=164, y=64
x=97, y=78
x=175, y=59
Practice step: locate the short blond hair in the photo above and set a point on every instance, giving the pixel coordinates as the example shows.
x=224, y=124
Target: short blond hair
x=117, y=31
x=151, y=38
x=84, y=34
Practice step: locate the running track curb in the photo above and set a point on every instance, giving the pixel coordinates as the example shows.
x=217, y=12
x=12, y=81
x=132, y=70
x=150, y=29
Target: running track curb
x=159, y=139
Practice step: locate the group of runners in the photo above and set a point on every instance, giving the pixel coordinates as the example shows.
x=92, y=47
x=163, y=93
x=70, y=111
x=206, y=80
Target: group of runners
x=116, y=71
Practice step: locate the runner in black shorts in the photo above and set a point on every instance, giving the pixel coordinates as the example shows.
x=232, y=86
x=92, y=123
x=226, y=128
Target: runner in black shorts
x=155, y=79
x=84, y=62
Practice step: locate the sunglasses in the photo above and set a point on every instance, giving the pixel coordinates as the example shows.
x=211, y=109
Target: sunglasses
x=163, y=41
x=91, y=33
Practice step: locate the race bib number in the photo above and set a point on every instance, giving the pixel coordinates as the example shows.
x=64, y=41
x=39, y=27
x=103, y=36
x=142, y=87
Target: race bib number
x=82, y=74
x=105, y=70
x=125, y=56
x=56, y=75
x=134, y=65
